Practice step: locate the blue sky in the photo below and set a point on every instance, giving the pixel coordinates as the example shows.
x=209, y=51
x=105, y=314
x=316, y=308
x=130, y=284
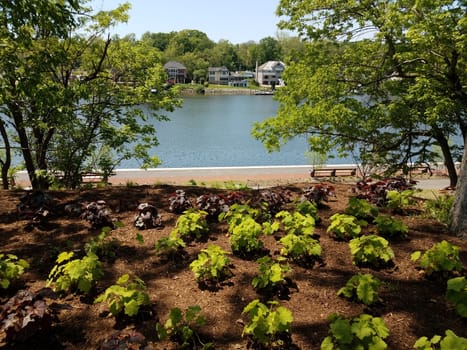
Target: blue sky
x=237, y=21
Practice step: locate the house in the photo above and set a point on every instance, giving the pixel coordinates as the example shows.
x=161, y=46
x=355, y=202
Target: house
x=176, y=72
x=240, y=79
x=218, y=75
x=270, y=73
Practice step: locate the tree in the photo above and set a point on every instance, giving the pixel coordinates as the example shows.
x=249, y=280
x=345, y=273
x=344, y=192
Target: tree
x=269, y=49
x=383, y=80
x=65, y=93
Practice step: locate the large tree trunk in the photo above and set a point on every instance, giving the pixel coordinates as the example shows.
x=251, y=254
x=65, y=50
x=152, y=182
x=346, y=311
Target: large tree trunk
x=7, y=162
x=448, y=161
x=458, y=219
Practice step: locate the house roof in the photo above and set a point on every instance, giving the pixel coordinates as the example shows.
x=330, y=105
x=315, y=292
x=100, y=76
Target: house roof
x=217, y=69
x=271, y=65
x=174, y=64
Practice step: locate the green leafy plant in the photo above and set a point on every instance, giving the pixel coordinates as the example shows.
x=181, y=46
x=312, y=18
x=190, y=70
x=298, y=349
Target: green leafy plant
x=126, y=296
x=244, y=239
x=212, y=265
x=10, y=269
x=439, y=208
x=237, y=212
x=389, y=227
x=170, y=245
x=456, y=293
x=450, y=342
x=267, y=326
x=183, y=328
x=75, y=275
x=362, y=332
x=271, y=274
x=371, y=251
x=442, y=257
x=306, y=207
x=343, y=226
x=102, y=245
x=192, y=224
x=361, y=287
x=302, y=249
x=361, y=209
x=297, y=223
x=397, y=201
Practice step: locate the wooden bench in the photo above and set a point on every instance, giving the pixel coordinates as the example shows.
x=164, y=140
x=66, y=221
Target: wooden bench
x=333, y=172
x=93, y=177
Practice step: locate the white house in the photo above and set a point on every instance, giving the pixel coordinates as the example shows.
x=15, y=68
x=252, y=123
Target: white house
x=270, y=73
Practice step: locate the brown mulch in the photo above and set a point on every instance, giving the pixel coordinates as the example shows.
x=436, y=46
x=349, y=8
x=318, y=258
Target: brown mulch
x=411, y=305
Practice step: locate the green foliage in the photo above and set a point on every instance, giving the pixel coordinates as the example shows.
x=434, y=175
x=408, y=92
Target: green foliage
x=456, y=293
x=211, y=264
x=306, y=207
x=361, y=209
x=266, y=325
x=439, y=208
x=391, y=228
x=170, y=245
x=182, y=328
x=297, y=223
x=450, y=342
x=126, y=295
x=245, y=237
x=345, y=226
x=300, y=248
x=192, y=224
x=363, y=332
x=271, y=274
x=399, y=200
x=441, y=257
x=362, y=287
x=78, y=274
x=10, y=269
x=371, y=251
x=103, y=246
x=237, y=212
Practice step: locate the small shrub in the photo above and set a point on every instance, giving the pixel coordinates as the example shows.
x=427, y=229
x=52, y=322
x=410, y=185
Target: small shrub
x=306, y=207
x=275, y=200
x=245, y=237
x=102, y=245
x=319, y=193
x=397, y=201
x=10, y=269
x=192, y=224
x=361, y=287
x=301, y=249
x=237, y=212
x=125, y=296
x=212, y=204
x=391, y=228
x=297, y=223
x=361, y=209
x=450, y=342
x=271, y=274
x=442, y=257
x=99, y=215
x=75, y=275
x=183, y=328
x=178, y=202
x=456, y=293
x=147, y=217
x=267, y=326
x=345, y=226
x=439, y=208
x=211, y=266
x=362, y=332
x=371, y=250
x=170, y=246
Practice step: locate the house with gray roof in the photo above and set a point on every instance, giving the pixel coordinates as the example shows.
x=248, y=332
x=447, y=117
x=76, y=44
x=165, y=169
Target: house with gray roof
x=270, y=73
x=176, y=72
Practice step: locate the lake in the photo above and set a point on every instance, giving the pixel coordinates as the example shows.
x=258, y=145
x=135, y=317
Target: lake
x=214, y=131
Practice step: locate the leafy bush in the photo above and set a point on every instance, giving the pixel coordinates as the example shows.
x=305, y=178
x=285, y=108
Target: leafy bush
x=237, y=212
x=245, y=237
x=171, y=245
x=99, y=215
x=375, y=192
x=302, y=249
x=439, y=208
x=345, y=226
x=212, y=204
x=212, y=265
x=10, y=269
x=319, y=193
x=275, y=200
x=103, y=246
x=178, y=202
x=456, y=293
x=271, y=274
x=306, y=207
x=192, y=224
x=125, y=296
x=23, y=316
x=267, y=326
x=147, y=217
x=371, y=251
x=442, y=257
x=389, y=227
x=450, y=342
x=297, y=223
x=397, y=201
x=75, y=275
x=182, y=328
x=361, y=209
x=361, y=287
x=362, y=332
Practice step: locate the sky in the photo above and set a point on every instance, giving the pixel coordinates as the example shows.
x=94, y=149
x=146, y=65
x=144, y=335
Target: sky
x=237, y=21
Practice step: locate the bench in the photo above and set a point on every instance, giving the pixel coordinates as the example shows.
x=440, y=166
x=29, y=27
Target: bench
x=93, y=177
x=333, y=172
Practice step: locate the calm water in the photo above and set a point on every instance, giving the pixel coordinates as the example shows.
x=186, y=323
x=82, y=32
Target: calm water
x=211, y=131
